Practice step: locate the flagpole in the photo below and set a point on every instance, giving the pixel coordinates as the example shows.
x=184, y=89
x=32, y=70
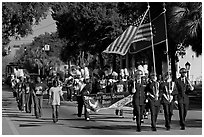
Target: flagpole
x=167, y=49
x=152, y=43
x=141, y=22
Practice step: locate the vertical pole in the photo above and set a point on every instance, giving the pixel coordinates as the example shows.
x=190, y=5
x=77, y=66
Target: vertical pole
x=152, y=43
x=121, y=62
x=133, y=60
x=126, y=60
x=167, y=49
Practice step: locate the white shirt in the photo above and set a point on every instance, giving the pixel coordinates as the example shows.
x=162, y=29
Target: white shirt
x=55, y=93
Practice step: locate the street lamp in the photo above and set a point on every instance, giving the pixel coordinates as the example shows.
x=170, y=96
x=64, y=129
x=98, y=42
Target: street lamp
x=45, y=49
x=187, y=65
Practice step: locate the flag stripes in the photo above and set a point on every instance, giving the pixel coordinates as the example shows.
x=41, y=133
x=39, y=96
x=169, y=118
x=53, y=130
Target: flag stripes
x=122, y=43
x=140, y=30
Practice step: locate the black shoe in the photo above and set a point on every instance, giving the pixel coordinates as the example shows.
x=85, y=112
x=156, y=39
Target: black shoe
x=167, y=128
x=154, y=129
x=182, y=128
x=138, y=129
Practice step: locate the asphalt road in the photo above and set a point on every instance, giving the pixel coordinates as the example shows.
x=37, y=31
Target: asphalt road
x=104, y=122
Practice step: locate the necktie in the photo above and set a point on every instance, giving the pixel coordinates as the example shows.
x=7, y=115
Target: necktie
x=183, y=80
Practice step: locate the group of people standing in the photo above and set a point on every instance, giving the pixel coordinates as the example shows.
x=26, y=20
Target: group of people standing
x=156, y=93
x=148, y=92
x=29, y=92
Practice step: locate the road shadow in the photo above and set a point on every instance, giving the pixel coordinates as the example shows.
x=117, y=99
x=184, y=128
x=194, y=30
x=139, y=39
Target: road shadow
x=117, y=127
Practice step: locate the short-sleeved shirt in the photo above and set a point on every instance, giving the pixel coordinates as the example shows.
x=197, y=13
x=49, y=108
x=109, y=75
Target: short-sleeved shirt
x=120, y=87
x=55, y=93
x=39, y=88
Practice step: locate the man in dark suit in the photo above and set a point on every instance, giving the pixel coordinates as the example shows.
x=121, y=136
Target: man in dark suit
x=183, y=86
x=168, y=91
x=154, y=97
x=138, y=91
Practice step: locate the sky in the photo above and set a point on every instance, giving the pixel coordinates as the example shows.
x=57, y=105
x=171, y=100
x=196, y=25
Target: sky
x=46, y=25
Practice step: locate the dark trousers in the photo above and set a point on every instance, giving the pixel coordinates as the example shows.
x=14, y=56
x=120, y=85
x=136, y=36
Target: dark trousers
x=38, y=105
x=146, y=108
x=183, y=108
x=80, y=107
x=69, y=93
x=138, y=112
x=154, y=109
x=168, y=112
x=55, y=112
x=21, y=100
x=28, y=103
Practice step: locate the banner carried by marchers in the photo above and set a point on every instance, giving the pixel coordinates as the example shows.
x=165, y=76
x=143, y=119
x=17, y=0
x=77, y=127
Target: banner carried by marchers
x=96, y=102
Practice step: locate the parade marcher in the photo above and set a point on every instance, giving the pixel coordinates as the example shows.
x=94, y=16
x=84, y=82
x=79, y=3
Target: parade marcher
x=84, y=90
x=49, y=83
x=119, y=87
x=69, y=83
x=138, y=91
x=160, y=81
x=60, y=84
x=54, y=98
x=183, y=87
x=21, y=94
x=147, y=106
x=102, y=84
x=28, y=95
x=168, y=91
x=13, y=85
x=153, y=96
x=39, y=89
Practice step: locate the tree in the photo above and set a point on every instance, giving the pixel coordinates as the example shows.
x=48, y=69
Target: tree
x=185, y=24
x=184, y=28
x=33, y=56
x=92, y=26
x=19, y=17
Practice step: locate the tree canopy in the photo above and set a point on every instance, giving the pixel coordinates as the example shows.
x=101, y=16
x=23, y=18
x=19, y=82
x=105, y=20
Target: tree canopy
x=92, y=26
x=34, y=56
x=185, y=24
x=19, y=17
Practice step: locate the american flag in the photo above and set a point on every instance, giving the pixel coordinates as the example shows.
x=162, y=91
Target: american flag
x=145, y=29
x=133, y=33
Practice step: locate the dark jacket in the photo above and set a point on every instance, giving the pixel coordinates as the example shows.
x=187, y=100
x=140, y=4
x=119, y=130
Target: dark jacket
x=119, y=86
x=139, y=95
x=183, y=89
x=151, y=86
x=165, y=86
